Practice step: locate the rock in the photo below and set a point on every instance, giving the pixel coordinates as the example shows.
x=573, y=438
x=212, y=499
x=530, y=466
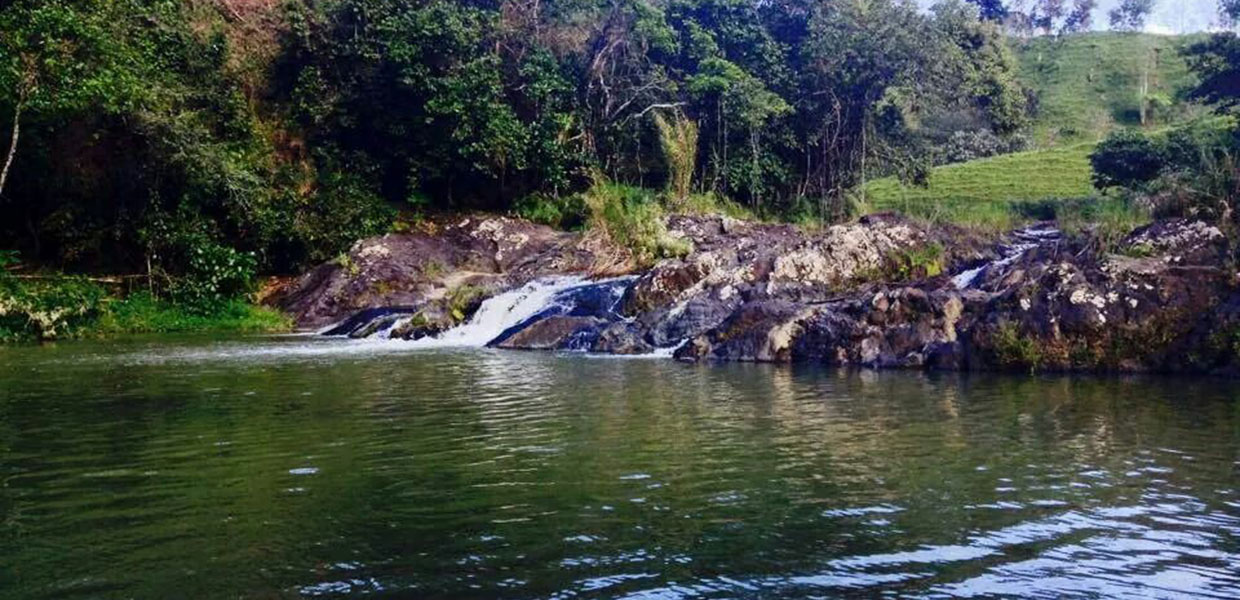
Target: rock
x=428, y=322
x=621, y=338
x=757, y=331
x=1167, y=301
x=363, y=324
x=1178, y=241
x=431, y=266
x=554, y=333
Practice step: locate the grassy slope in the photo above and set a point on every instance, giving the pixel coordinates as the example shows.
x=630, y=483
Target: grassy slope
x=1087, y=86
x=986, y=187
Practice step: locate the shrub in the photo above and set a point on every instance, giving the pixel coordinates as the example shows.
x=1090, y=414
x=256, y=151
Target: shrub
x=215, y=274
x=1014, y=350
x=8, y=258
x=964, y=146
x=916, y=263
x=344, y=209
x=1126, y=159
x=143, y=313
x=568, y=212
x=47, y=309
x=632, y=218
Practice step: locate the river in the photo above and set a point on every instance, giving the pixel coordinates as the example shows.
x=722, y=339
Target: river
x=272, y=467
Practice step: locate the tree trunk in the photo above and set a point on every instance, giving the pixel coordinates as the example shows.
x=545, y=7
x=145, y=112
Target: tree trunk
x=8, y=162
x=865, y=138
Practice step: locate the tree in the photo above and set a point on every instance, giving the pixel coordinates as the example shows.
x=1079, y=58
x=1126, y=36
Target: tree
x=1126, y=159
x=983, y=69
x=1081, y=18
x=1229, y=12
x=1131, y=15
x=991, y=10
x=56, y=57
x=1048, y=14
x=1216, y=62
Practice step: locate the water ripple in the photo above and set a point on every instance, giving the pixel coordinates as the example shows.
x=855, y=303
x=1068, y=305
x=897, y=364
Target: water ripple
x=286, y=467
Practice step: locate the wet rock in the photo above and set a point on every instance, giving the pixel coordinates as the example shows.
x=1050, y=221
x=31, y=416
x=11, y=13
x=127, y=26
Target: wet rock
x=844, y=295
x=622, y=339
x=365, y=323
x=430, y=321
x=433, y=266
x=559, y=332
x=758, y=331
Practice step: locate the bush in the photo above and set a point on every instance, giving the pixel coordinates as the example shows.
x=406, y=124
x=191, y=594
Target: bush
x=215, y=275
x=568, y=212
x=47, y=309
x=1126, y=159
x=143, y=313
x=916, y=263
x=964, y=146
x=679, y=140
x=8, y=258
x=1014, y=350
x=633, y=219
x=345, y=208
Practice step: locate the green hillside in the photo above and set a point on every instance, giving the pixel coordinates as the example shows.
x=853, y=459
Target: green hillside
x=983, y=190
x=1087, y=85
x=1091, y=83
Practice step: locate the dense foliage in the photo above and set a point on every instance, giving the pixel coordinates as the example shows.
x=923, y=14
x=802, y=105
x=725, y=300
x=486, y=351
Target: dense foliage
x=205, y=140
x=1193, y=171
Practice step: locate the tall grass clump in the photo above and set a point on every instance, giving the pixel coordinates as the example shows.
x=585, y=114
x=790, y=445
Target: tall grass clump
x=632, y=218
x=678, y=138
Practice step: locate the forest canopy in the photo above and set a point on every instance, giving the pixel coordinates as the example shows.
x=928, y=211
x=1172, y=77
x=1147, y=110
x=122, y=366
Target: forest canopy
x=179, y=133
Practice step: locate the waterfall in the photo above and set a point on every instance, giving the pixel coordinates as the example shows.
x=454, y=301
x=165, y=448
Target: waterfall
x=503, y=315
x=1024, y=241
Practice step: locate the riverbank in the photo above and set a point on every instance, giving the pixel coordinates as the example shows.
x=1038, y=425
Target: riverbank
x=57, y=307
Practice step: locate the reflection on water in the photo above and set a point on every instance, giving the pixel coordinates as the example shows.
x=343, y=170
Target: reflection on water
x=291, y=467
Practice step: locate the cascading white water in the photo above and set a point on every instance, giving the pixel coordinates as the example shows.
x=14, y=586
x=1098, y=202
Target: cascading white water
x=498, y=314
x=1026, y=240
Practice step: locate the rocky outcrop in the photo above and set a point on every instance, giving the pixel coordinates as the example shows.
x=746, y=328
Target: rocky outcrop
x=442, y=267
x=1166, y=302
x=883, y=292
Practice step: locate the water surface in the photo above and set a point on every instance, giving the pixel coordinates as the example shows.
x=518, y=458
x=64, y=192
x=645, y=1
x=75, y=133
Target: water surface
x=297, y=467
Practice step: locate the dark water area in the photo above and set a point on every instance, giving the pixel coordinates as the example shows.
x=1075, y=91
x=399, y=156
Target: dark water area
x=296, y=467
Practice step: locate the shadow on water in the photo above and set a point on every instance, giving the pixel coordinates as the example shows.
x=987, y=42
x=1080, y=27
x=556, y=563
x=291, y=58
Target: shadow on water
x=289, y=467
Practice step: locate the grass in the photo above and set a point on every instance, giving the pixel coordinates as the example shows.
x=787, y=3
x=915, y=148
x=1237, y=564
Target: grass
x=140, y=313
x=73, y=307
x=1089, y=84
x=983, y=192
x=998, y=193
x=632, y=218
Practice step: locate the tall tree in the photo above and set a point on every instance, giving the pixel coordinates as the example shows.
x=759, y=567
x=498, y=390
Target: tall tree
x=1216, y=62
x=1049, y=14
x=56, y=57
x=991, y=10
x=1131, y=15
x=1229, y=12
x=1081, y=18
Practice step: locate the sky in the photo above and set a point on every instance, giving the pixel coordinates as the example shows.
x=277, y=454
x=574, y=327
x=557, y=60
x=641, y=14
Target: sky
x=1170, y=16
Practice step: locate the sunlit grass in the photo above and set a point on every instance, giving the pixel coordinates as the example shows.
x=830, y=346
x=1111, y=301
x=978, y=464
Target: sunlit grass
x=982, y=192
